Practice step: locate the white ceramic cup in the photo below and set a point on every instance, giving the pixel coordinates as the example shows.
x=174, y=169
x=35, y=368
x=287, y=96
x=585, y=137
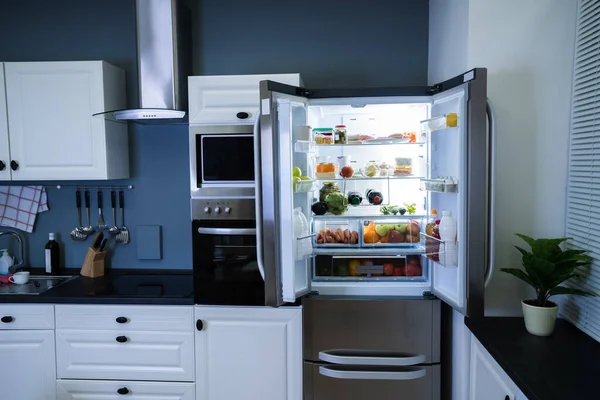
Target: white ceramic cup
x=19, y=278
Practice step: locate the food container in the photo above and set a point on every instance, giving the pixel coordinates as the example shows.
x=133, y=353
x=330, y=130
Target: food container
x=336, y=233
x=326, y=170
x=371, y=169
x=403, y=166
x=340, y=134
x=328, y=187
x=323, y=135
x=385, y=169
x=303, y=185
x=401, y=232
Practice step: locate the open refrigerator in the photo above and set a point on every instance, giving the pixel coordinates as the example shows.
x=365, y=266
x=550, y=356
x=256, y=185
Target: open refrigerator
x=381, y=249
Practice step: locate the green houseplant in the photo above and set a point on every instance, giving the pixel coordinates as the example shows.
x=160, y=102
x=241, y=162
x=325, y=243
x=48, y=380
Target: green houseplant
x=546, y=266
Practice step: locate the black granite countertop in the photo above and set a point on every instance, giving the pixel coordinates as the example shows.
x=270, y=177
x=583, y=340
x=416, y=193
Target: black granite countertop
x=157, y=287
x=561, y=366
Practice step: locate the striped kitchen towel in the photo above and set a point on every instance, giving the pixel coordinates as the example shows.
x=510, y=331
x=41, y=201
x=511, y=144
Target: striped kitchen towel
x=19, y=205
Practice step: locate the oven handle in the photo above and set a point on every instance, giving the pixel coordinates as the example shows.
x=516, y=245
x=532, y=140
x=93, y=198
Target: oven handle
x=227, y=231
x=398, y=374
x=257, y=197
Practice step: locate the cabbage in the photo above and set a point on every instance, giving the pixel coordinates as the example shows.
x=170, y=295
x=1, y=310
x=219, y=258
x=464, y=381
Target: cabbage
x=337, y=203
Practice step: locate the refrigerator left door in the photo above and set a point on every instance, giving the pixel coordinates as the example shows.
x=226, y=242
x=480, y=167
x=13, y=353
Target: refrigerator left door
x=282, y=153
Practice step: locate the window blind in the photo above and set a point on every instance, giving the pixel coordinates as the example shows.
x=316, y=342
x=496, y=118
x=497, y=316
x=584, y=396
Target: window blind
x=583, y=194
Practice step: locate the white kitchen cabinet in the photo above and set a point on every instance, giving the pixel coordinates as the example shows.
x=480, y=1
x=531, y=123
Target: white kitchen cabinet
x=488, y=380
x=27, y=365
x=248, y=353
x=4, y=151
x=109, y=390
x=51, y=130
x=229, y=99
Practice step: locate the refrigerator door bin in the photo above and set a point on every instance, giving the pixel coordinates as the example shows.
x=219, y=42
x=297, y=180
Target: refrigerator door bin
x=370, y=357
x=439, y=251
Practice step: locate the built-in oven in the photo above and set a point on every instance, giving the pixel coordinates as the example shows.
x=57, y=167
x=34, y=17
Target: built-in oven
x=222, y=161
x=225, y=265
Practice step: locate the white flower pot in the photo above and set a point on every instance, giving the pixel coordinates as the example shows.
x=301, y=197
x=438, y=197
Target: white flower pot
x=539, y=321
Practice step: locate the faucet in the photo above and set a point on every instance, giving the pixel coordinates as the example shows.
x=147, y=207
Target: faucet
x=17, y=235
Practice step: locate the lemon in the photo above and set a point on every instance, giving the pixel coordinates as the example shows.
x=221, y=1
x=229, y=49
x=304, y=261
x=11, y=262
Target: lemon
x=296, y=171
x=452, y=120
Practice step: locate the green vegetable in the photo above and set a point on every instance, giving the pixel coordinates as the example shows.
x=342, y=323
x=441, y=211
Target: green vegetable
x=337, y=203
x=387, y=210
x=412, y=208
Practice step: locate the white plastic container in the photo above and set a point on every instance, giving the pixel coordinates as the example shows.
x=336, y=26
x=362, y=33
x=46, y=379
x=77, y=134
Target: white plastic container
x=302, y=230
x=448, y=250
x=6, y=261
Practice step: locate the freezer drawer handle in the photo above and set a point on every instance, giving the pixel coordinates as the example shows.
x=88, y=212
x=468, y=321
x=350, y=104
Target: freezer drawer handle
x=227, y=231
x=389, y=374
x=370, y=357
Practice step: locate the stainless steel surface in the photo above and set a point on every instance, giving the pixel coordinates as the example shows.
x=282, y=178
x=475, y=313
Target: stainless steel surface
x=19, y=238
x=386, y=386
x=36, y=285
x=370, y=357
x=101, y=222
x=88, y=229
x=123, y=235
x=491, y=184
x=258, y=198
x=407, y=326
x=240, y=209
x=216, y=190
x=226, y=231
x=114, y=230
x=78, y=234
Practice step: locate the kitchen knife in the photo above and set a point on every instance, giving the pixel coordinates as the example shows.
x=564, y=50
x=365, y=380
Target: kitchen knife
x=103, y=245
x=97, y=240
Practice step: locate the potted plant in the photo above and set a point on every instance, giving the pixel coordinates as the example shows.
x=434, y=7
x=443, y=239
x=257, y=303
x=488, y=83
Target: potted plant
x=546, y=266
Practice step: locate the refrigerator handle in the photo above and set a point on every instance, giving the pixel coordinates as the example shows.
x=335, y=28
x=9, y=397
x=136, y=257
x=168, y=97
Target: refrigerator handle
x=400, y=374
x=366, y=357
x=257, y=197
x=491, y=191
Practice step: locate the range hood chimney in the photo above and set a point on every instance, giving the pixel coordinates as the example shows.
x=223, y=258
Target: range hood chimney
x=164, y=63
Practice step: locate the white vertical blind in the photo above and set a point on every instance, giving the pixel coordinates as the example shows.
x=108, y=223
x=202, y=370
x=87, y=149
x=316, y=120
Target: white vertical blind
x=583, y=196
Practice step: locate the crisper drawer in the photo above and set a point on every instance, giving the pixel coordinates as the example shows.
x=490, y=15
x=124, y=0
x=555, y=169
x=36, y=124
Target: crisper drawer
x=108, y=390
x=326, y=382
x=21, y=316
x=404, y=329
x=158, y=356
x=135, y=318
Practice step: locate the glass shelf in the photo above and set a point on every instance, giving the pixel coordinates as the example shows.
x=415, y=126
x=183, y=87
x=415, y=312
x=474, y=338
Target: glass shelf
x=368, y=217
x=371, y=144
x=373, y=178
x=366, y=251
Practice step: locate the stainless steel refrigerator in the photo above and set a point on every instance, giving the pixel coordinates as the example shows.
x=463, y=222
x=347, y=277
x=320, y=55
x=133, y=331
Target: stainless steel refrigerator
x=370, y=272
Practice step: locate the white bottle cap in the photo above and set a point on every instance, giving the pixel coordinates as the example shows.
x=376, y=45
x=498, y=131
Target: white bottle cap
x=51, y=236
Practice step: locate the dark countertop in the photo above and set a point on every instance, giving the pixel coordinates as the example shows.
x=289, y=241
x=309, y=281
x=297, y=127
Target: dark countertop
x=561, y=366
x=155, y=287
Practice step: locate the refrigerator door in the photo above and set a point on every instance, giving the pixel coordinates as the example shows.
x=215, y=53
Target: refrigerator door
x=460, y=150
x=284, y=253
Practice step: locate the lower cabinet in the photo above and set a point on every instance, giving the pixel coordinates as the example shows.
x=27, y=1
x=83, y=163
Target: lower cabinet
x=27, y=365
x=248, y=353
x=108, y=390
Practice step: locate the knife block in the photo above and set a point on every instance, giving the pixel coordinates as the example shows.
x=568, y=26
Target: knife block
x=93, y=265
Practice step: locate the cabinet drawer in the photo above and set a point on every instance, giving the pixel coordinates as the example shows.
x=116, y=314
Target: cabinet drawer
x=20, y=316
x=157, y=356
x=134, y=318
x=108, y=390
x=401, y=328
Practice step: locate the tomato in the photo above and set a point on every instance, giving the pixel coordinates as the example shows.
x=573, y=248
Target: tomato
x=388, y=269
x=398, y=271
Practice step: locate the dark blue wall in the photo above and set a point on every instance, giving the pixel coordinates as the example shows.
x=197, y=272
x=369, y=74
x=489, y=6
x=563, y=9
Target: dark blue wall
x=332, y=43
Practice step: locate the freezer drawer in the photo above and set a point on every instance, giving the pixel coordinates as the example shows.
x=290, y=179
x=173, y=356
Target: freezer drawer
x=404, y=328
x=328, y=381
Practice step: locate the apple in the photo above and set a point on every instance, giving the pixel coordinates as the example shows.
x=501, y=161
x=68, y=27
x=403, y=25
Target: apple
x=388, y=269
x=399, y=271
x=347, y=171
x=395, y=237
x=413, y=260
x=413, y=270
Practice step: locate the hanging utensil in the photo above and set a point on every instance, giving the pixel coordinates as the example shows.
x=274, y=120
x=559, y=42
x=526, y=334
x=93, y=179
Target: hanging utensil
x=113, y=203
x=77, y=233
x=101, y=223
x=88, y=229
x=123, y=236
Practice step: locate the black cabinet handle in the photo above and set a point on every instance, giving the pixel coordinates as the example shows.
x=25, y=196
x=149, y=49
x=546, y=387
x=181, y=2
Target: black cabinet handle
x=121, y=320
x=2, y=165
x=242, y=115
x=199, y=325
x=7, y=319
x=14, y=165
x=123, y=390
x=122, y=339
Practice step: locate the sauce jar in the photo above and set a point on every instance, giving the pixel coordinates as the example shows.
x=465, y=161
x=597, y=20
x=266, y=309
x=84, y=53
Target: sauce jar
x=340, y=134
x=328, y=187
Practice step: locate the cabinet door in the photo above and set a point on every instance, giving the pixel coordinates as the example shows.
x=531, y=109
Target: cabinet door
x=113, y=390
x=27, y=367
x=488, y=379
x=52, y=132
x=248, y=353
x=4, y=150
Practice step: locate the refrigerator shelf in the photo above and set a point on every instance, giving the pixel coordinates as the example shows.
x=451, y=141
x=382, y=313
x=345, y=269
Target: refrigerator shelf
x=382, y=251
x=364, y=143
x=368, y=217
x=439, y=123
x=373, y=178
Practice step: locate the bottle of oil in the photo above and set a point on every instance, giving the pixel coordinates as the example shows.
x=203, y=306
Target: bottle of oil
x=52, y=255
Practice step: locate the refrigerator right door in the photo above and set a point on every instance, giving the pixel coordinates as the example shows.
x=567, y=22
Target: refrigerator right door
x=459, y=184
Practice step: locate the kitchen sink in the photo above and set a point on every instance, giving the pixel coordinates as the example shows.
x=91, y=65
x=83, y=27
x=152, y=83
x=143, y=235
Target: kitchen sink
x=37, y=284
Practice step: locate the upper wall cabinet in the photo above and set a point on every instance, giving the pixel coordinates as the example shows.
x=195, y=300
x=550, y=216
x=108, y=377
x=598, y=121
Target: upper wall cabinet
x=229, y=99
x=51, y=132
x=4, y=152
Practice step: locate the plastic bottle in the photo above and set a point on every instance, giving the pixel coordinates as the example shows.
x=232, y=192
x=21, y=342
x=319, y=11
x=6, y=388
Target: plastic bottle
x=354, y=198
x=447, y=229
x=52, y=255
x=6, y=261
x=374, y=196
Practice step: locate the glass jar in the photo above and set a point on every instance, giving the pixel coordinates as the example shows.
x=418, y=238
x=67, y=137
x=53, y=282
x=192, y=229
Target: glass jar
x=340, y=134
x=403, y=166
x=323, y=135
x=328, y=187
x=371, y=169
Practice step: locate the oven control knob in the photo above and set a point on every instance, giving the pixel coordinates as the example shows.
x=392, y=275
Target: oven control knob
x=207, y=210
x=218, y=210
x=227, y=210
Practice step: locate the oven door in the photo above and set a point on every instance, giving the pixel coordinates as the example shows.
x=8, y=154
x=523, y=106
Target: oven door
x=226, y=271
x=222, y=160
